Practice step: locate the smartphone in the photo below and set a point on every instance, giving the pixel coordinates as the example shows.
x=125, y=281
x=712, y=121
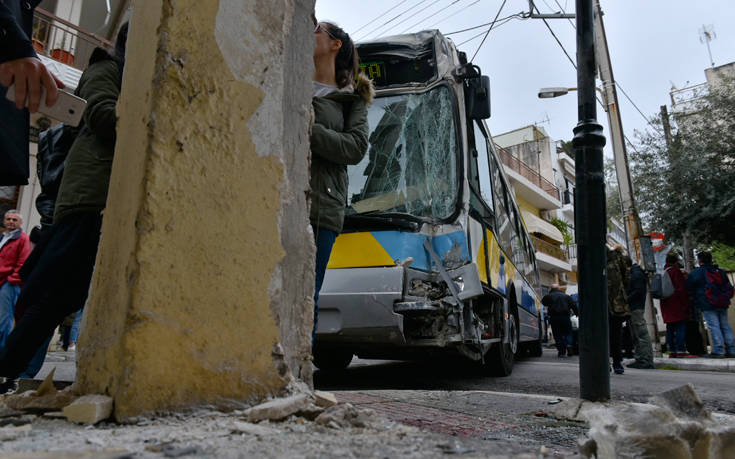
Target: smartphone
x=68, y=108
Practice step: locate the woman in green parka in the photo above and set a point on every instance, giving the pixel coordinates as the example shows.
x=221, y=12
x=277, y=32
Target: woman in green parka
x=339, y=136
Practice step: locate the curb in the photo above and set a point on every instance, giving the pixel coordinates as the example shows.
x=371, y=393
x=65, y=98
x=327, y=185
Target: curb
x=692, y=364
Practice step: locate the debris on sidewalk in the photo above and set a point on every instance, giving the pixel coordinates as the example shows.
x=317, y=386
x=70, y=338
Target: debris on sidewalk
x=45, y=398
x=674, y=424
x=324, y=399
x=279, y=408
x=12, y=432
x=346, y=415
x=89, y=409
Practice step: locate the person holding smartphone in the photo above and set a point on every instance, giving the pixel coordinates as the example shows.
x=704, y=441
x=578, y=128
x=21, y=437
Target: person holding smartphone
x=19, y=65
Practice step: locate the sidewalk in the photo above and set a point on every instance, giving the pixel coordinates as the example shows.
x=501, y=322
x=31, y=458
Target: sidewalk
x=699, y=364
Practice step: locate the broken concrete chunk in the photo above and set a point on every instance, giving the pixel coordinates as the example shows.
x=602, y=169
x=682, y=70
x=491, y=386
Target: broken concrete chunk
x=345, y=416
x=279, y=408
x=684, y=402
x=567, y=409
x=47, y=386
x=89, y=409
x=31, y=401
x=325, y=399
x=310, y=412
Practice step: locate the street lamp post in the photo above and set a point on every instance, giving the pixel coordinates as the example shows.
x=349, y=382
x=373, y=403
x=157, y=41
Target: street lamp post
x=590, y=220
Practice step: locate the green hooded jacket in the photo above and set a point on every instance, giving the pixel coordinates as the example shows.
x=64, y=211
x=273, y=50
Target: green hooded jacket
x=89, y=163
x=339, y=137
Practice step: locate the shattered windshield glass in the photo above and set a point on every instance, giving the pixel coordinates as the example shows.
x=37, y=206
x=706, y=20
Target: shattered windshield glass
x=411, y=164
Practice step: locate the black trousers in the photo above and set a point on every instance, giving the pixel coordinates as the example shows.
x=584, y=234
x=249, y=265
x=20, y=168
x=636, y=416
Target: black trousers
x=56, y=286
x=561, y=326
x=616, y=329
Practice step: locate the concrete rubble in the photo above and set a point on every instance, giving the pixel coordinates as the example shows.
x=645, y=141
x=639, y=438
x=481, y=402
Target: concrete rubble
x=673, y=425
x=89, y=409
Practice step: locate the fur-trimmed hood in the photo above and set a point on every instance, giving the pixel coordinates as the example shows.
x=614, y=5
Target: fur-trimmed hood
x=364, y=88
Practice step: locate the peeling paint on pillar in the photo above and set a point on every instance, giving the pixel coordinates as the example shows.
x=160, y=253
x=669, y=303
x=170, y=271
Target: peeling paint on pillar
x=192, y=300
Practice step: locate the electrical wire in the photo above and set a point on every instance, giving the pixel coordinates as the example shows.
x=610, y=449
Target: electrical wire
x=385, y=32
x=498, y=24
x=391, y=19
x=454, y=14
x=488, y=31
x=431, y=15
x=518, y=15
x=384, y=13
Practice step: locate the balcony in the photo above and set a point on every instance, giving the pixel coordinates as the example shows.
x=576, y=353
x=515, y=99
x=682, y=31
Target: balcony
x=550, y=257
x=529, y=183
x=64, y=46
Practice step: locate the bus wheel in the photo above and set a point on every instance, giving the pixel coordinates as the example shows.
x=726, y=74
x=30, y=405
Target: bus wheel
x=499, y=359
x=332, y=359
x=535, y=349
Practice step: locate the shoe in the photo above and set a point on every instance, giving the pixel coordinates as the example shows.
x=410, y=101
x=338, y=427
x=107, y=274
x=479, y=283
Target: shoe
x=730, y=356
x=561, y=356
x=618, y=368
x=72, y=347
x=640, y=365
x=673, y=355
x=10, y=386
x=715, y=356
x=688, y=356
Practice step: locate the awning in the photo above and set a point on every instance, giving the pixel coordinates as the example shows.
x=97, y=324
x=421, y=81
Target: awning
x=536, y=224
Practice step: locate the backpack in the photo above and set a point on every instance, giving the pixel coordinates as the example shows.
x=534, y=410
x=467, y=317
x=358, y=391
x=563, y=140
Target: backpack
x=717, y=288
x=661, y=286
x=53, y=147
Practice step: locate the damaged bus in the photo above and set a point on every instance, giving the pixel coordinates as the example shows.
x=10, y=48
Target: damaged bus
x=434, y=258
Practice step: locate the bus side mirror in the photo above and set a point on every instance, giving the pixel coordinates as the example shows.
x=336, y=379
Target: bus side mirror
x=477, y=92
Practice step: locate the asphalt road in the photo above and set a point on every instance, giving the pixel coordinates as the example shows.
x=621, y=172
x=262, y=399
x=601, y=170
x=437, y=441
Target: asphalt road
x=547, y=376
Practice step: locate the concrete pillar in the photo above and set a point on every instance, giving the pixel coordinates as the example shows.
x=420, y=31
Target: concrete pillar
x=204, y=278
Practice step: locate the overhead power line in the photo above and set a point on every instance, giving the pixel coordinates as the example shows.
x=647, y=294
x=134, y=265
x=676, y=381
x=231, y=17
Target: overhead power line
x=432, y=15
x=453, y=14
x=384, y=13
x=498, y=24
x=488, y=30
x=392, y=19
x=385, y=32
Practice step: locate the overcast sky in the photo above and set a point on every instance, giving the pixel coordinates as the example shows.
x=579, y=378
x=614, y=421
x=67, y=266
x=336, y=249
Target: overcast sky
x=653, y=44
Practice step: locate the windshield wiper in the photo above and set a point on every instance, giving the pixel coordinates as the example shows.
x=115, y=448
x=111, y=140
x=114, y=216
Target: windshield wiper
x=378, y=220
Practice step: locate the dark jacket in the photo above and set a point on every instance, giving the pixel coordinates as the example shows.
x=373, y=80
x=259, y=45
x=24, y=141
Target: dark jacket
x=12, y=256
x=339, y=137
x=89, y=163
x=559, y=303
x=696, y=283
x=16, y=25
x=676, y=307
x=637, y=288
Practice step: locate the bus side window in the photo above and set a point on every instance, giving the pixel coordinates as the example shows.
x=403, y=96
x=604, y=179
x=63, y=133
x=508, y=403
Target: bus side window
x=503, y=220
x=483, y=165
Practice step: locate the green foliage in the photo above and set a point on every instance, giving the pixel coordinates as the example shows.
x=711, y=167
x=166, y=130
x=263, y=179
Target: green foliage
x=723, y=255
x=564, y=228
x=690, y=186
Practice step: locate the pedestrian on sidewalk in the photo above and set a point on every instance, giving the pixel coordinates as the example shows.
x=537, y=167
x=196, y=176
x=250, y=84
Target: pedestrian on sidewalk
x=712, y=292
x=637, y=301
x=15, y=247
x=618, y=277
x=676, y=309
x=339, y=137
x=560, y=307
x=58, y=283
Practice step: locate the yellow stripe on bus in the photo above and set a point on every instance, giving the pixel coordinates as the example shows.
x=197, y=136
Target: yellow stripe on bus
x=358, y=250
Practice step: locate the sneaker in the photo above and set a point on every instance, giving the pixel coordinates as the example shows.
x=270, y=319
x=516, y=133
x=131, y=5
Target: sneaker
x=715, y=356
x=673, y=355
x=10, y=386
x=72, y=347
x=640, y=365
x=688, y=356
x=618, y=368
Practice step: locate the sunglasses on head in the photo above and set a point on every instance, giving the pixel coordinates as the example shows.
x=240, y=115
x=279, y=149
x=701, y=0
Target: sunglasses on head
x=325, y=30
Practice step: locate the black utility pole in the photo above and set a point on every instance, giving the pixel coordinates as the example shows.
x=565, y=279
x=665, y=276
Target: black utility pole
x=590, y=220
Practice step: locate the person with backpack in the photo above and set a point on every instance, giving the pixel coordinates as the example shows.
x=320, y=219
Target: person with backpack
x=618, y=277
x=712, y=291
x=675, y=308
x=560, y=307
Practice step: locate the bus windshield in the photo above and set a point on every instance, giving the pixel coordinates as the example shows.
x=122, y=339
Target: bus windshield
x=411, y=164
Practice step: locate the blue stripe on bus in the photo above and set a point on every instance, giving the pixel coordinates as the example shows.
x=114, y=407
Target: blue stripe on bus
x=401, y=245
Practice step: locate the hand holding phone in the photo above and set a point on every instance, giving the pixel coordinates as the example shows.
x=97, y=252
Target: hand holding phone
x=68, y=108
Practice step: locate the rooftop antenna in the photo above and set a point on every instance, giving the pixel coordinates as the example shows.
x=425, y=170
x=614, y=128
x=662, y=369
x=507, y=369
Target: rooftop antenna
x=706, y=35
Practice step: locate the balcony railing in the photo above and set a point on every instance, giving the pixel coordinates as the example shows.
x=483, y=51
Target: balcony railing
x=527, y=172
x=549, y=249
x=63, y=41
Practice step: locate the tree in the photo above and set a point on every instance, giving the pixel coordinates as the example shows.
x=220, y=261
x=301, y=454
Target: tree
x=690, y=186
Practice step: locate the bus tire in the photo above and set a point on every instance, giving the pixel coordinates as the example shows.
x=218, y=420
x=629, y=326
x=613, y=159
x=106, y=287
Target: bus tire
x=332, y=359
x=499, y=359
x=535, y=349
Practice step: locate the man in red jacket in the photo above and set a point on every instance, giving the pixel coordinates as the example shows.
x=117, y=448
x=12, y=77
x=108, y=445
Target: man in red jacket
x=14, y=249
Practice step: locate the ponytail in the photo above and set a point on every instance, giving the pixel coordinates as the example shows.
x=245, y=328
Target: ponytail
x=347, y=62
